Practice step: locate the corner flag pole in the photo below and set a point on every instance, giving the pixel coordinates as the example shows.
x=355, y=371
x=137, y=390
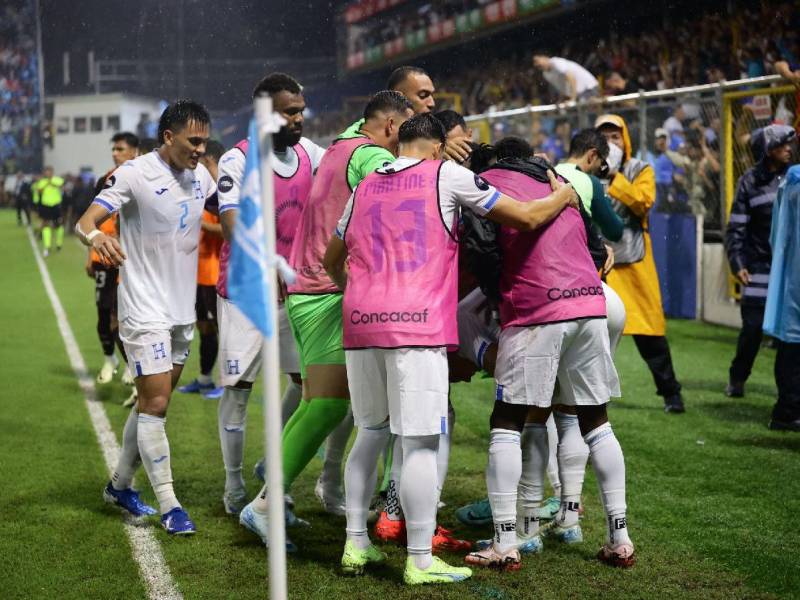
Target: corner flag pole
x=267, y=124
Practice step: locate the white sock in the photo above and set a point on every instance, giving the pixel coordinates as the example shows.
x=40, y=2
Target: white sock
x=393, y=508
x=530, y=492
x=204, y=379
x=291, y=399
x=418, y=495
x=609, y=466
x=128, y=460
x=552, y=457
x=502, y=478
x=443, y=455
x=572, y=456
x=154, y=450
x=231, y=423
x=360, y=477
x=335, y=447
x=111, y=358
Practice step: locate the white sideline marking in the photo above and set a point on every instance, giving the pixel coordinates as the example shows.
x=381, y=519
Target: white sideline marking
x=145, y=546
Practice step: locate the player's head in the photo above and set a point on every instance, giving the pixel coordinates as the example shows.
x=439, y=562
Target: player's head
x=48, y=171
x=124, y=147
x=513, y=147
x=288, y=102
x=541, y=60
x=416, y=85
x=422, y=136
x=183, y=131
x=147, y=145
x=455, y=125
x=384, y=114
x=589, y=150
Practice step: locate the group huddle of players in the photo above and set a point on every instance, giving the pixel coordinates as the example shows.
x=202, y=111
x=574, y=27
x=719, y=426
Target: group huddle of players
x=420, y=259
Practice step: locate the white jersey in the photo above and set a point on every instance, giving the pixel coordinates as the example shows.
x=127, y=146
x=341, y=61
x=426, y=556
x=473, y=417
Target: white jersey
x=557, y=76
x=285, y=164
x=160, y=211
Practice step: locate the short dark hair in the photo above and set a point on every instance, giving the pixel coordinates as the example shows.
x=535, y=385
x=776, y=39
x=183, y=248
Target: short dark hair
x=178, y=114
x=126, y=136
x=386, y=101
x=147, y=145
x=424, y=126
x=451, y=119
x=400, y=74
x=215, y=149
x=585, y=140
x=512, y=147
x=277, y=82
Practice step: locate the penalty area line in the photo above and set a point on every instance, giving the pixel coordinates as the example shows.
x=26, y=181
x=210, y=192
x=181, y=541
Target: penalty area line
x=144, y=545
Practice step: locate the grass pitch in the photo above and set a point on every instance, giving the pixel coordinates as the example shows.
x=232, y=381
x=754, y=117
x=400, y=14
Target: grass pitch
x=711, y=494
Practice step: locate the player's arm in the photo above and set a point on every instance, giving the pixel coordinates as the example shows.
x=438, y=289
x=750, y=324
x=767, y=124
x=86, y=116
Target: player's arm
x=736, y=232
x=334, y=261
x=231, y=170
x=528, y=216
x=212, y=228
x=783, y=69
x=106, y=246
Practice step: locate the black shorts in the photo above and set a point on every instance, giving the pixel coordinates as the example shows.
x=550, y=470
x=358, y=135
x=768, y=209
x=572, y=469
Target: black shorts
x=206, y=304
x=50, y=213
x=105, y=287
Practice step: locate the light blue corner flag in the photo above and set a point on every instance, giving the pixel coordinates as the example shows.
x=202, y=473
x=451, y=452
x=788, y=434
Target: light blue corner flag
x=247, y=268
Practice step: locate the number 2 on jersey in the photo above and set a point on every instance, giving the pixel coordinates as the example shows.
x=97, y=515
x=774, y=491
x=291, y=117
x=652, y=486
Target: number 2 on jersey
x=184, y=214
x=415, y=235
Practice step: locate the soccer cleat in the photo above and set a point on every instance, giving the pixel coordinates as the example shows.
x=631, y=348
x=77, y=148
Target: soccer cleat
x=734, y=389
x=568, y=535
x=476, y=514
x=332, y=500
x=127, y=378
x=214, y=394
x=259, y=524
x=530, y=545
x=781, y=425
x=354, y=560
x=674, y=404
x=234, y=501
x=292, y=520
x=195, y=387
x=177, y=522
x=438, y=572
x=107, y=372
x=260, y=470
x=550, y=508
x=444, y=540
x=128, y=500
x=131, y=400
x=491, y=558
x=621, y=555
x=387, y=530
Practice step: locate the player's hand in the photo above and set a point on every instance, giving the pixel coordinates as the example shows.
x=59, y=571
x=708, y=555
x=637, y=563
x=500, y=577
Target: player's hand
x=457, y=150
x=89, y=266
x=109, y=250
x=564, y=190
x=609, y=264
x=743, y=275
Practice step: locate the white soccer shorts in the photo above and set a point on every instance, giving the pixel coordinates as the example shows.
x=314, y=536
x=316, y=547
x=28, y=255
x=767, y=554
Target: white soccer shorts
x=575, y=353
x=240, y=344
x=152, y=350
x=477, y=328
x=406, y=385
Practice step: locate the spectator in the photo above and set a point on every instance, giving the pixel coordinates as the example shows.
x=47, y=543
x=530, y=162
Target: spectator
x=616, y=85
x=571, y=80
x=664, y=169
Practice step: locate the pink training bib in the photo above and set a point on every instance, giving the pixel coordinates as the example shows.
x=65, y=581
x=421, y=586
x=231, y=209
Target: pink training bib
x=327, y=199
x=548, y=274
x=291, y=194
x=402, y=287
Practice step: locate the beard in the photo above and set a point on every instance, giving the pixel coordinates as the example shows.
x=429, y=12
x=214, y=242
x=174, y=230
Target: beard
x=286, y=137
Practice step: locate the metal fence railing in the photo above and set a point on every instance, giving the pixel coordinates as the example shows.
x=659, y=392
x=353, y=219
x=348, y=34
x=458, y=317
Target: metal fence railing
x=708, y=125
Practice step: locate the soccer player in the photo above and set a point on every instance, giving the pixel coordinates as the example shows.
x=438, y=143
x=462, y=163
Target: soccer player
x=296, y=159
x=314, y=302
x=124, y=147
x=632, y=188
x=747, y=242
x=552, y=313
x=48, y=193
x=207, y=275
x=160, y=199
x=416, y=85
x=398, y=236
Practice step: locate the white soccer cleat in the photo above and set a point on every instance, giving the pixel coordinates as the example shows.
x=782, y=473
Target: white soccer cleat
x=127, y=378
x=332, y=500
x=131, y=399
x=107, y=372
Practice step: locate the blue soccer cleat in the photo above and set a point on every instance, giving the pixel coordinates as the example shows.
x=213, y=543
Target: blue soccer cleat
x=567, y=535
x=128, y=500
x=214, y=394
x=476, y=514
x=525, y=545
x=177, y=522
x=195, y=387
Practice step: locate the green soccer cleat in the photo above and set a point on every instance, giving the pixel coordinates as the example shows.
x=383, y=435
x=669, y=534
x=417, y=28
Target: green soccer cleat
x=550, y=508
x=476, y=514
x=354, y=561
x=438, y=572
